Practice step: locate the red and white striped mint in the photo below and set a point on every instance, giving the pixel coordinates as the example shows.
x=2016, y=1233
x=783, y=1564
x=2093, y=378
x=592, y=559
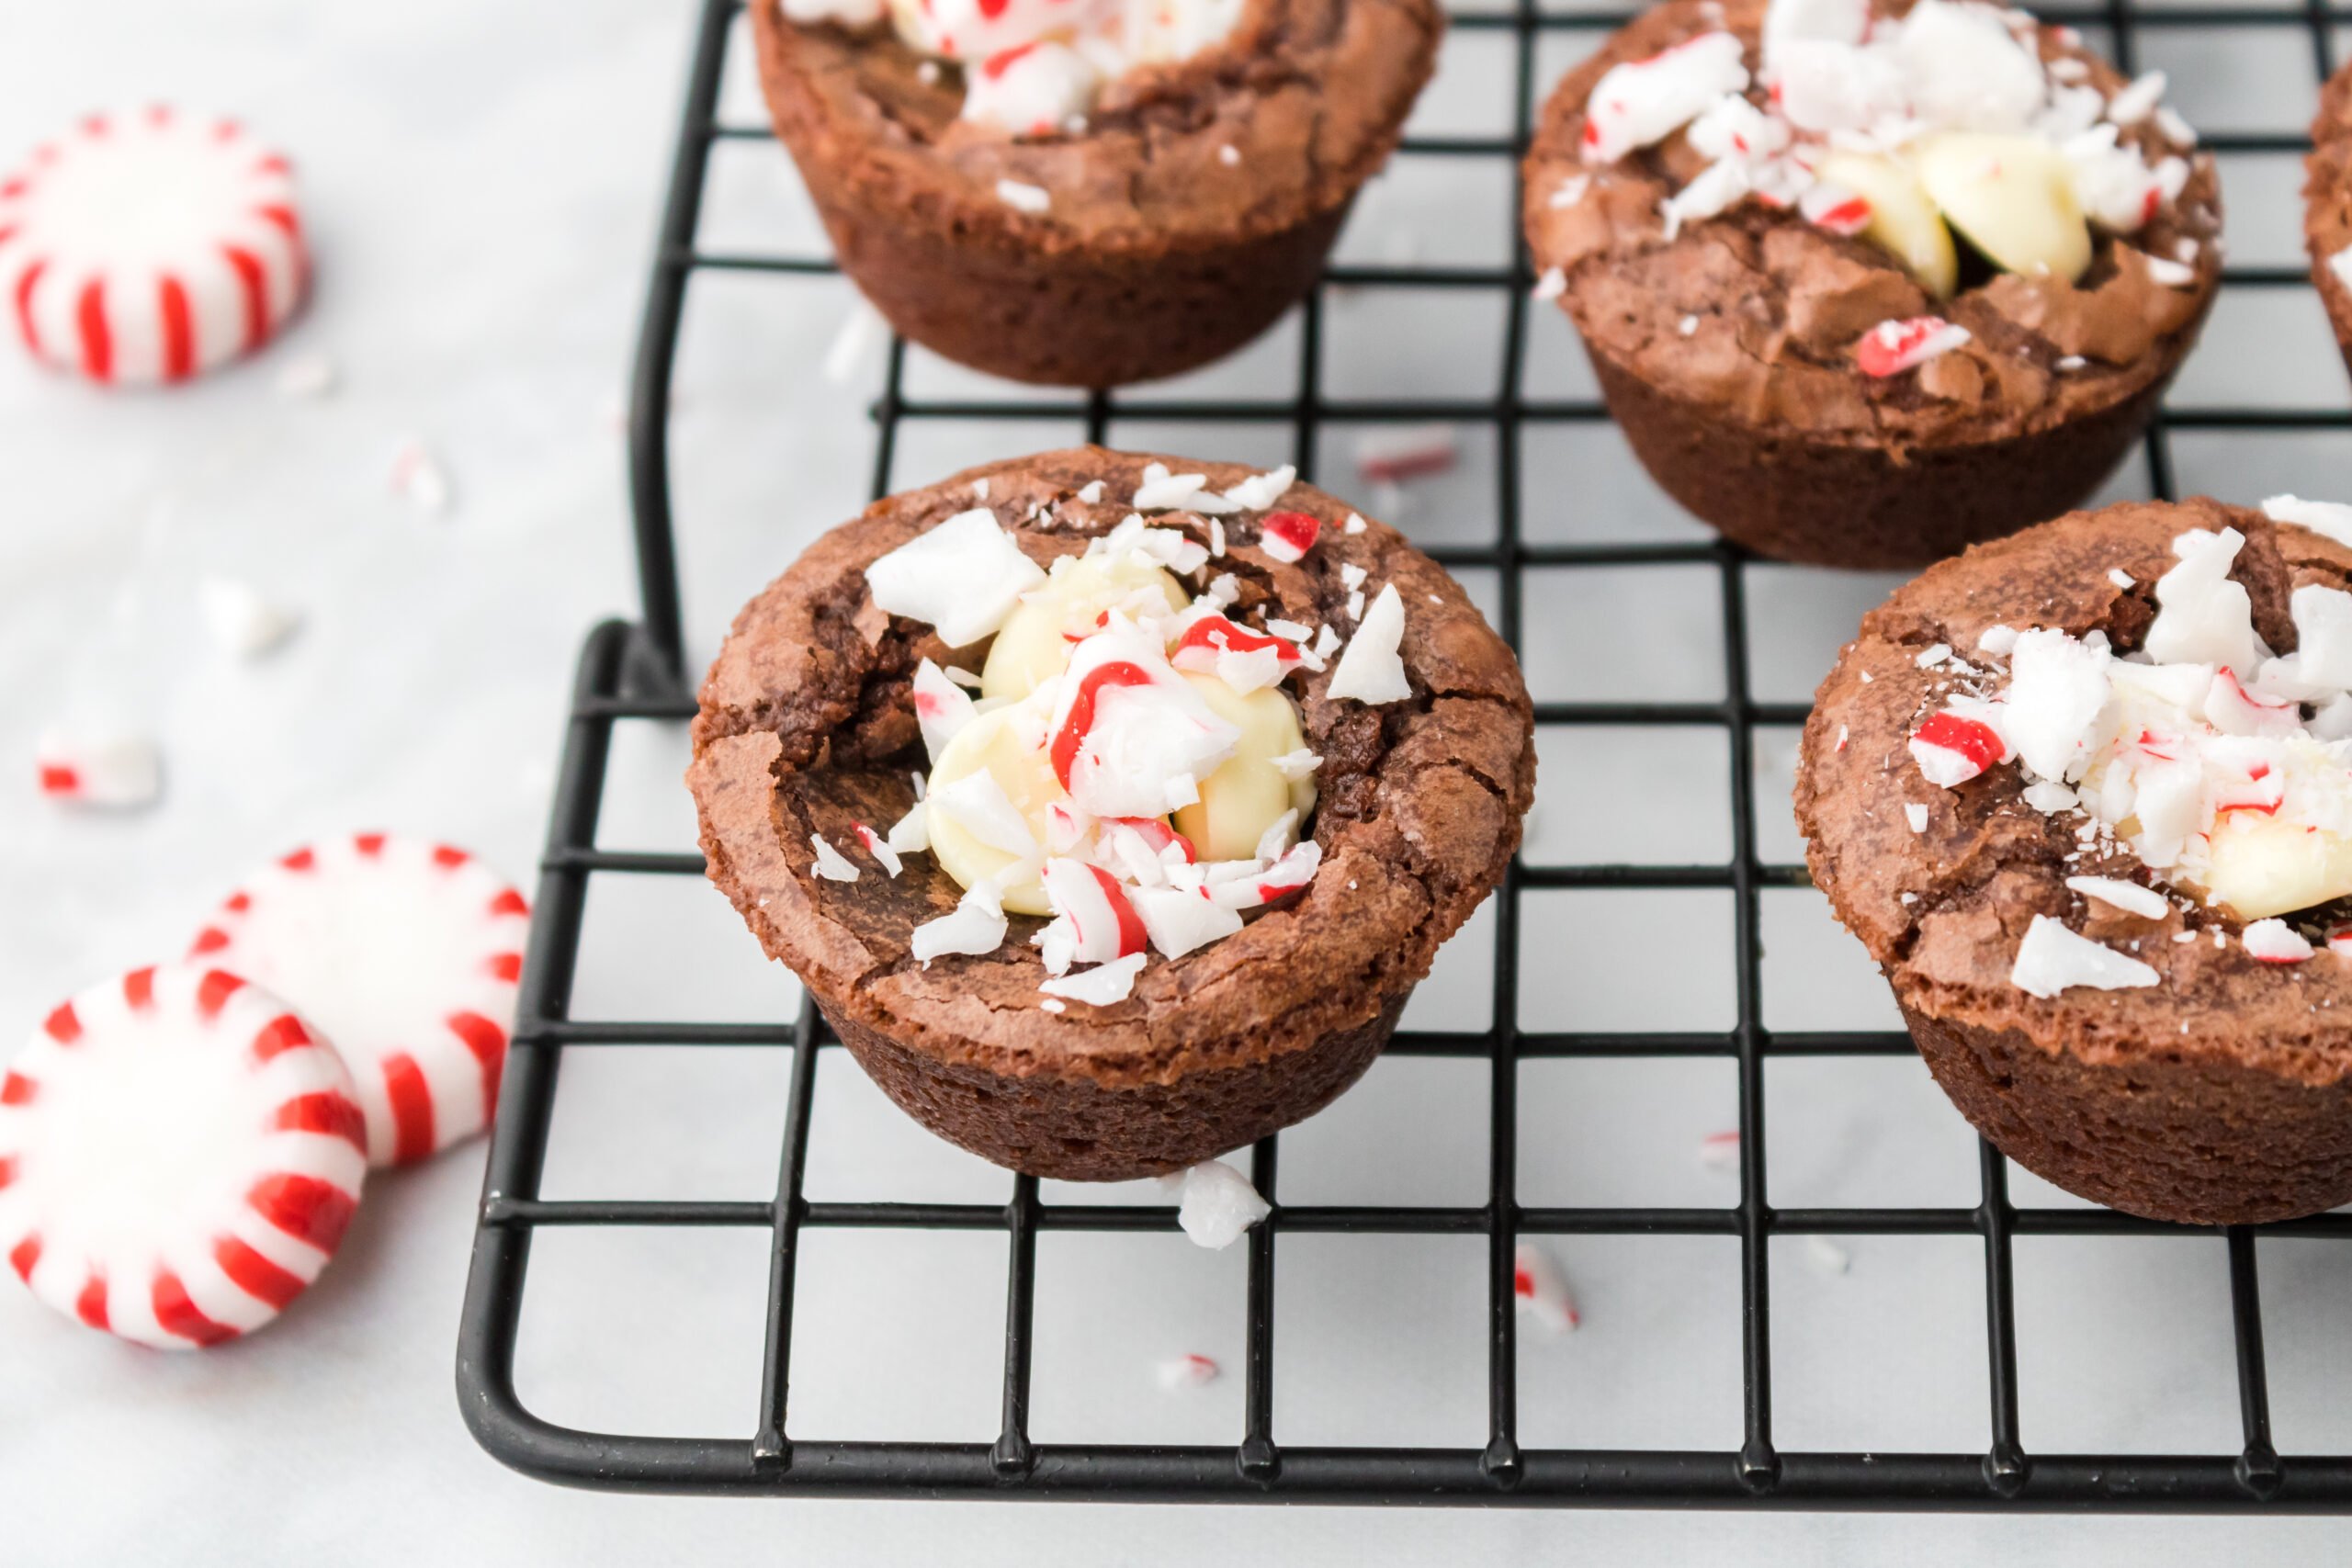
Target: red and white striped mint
x=179, y=1157
x=406, y=953
x=1892, y=347
x=149, y=246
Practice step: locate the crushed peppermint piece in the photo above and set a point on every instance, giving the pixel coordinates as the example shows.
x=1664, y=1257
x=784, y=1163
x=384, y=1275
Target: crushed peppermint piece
x=2067, y=364
x=1091, y=491
x=832, y=864
x=1916, y=815
x=1216, y=1204
x=1230, y=155
x=1952, y=747
x=1023, y=197
x=1216, y=536
x=975, y=926
x=942, y=708
x=1354, y=524
x=1288, y=536
x=1997, y=640
x=910, y=834
x=1640, y=102
x=1296, y=766
x=1551, y=284
x=968, y=679
x=2049, y=796
x=1720, y=1151
x=1539, y=1291
x=1260, y=492
x=1355, y=605
x=2275, y=941
x=1394, y=456
x=2171, y=274
x=1186, y=1371
x=2135, y=102
x=1327, y=641
x=1935, y=653
x=2333, y=518
x=2120, y=578
x=1894, y=346
x=1100, y=986
x=2053, y=959
x=1163, y=491
x=879, y=847
x=1370, y=669
x=1826, y=1254
x=2129, y=896
x=964, y=576
x=1570, y=192
x=1052, y=1004
x=1688, y=326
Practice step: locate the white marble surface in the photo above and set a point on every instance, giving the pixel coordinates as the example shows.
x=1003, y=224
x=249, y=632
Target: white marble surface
x=481, y=180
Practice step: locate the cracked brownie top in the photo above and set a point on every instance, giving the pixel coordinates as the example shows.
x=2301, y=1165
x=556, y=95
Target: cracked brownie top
x=1873, y=221
x=811, y=732
x=2091, y=784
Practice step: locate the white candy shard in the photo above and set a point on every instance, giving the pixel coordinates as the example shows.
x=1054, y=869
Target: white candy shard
x=832, y=864
x=242, y=620
x=1163, y=491
x=1916, y=815
x=879, y=848
x=1216, y=1204
x=2129, y=896
x=964, y=577
x=2053, y=959
x=1100, y=986
x=1966, y=69
x=1370, y=667
x=1023, y=197
x=976, y=925
x=2204, y=617
x=1261, y=490
x=942, y=708
x=1180, y=919
x=2138, y=100
x=911, y=833
x=2331, y=518
x=418, y=478
x=2275, y=941
x=2057, y=686
x=307, y=376
x=1031, y=92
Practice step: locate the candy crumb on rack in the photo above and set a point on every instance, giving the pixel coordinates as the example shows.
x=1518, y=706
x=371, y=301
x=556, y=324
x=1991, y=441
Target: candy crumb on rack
x=1216, y=1204
x=1540, y=1292
x=1826, y=1254
x=1394, y=456
x=1180, y=1372
x=1720, y=1151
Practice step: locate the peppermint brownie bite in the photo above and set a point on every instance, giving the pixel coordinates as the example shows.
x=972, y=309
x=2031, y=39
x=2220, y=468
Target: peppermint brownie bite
x=1111, y=806
x=1867, y=281
x=2327, y=205
x=2086, y=795
x=1084, y=192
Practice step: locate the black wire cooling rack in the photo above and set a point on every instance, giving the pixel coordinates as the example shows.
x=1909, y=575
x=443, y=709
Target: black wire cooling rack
x=632, y=672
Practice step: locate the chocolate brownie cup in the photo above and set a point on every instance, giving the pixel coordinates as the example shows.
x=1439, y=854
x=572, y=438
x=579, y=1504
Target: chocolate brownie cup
x=2084, y=794
x=1865, y=281
x=1255, y=917
x=2327, y=205
x=1087, y=194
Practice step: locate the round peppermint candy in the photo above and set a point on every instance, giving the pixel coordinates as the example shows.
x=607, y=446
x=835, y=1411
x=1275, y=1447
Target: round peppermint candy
x=146, y=247
x=179, y=1155
x=407, y=954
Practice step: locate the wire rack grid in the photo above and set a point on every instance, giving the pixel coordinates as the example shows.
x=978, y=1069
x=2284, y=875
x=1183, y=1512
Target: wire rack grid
x=631, y=673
